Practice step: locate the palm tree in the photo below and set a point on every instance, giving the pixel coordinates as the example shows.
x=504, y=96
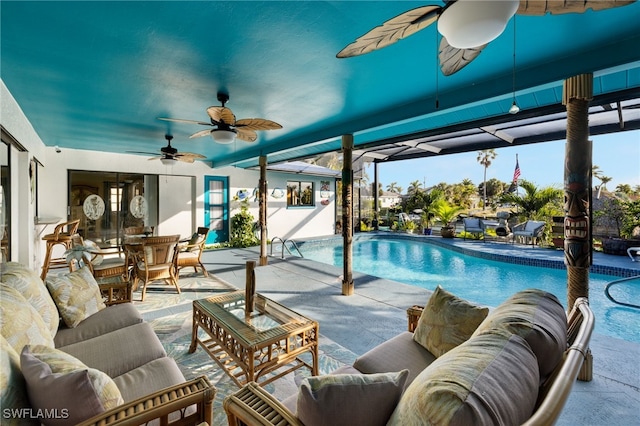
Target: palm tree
x=624, y=188
x=414, y=187
x=604, y=181
x=393, y=187
x=485, y=157
x=533, y=200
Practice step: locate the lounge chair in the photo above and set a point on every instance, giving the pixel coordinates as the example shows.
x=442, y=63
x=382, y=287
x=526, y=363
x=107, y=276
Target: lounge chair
x=531, y=229
x=635, y=250
x=473, y=225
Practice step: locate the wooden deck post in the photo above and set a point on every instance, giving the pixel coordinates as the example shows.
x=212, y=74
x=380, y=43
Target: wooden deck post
x=577, y=92
x=262, y=206
x=249, y=286
x=376, y=224
x=347, y=214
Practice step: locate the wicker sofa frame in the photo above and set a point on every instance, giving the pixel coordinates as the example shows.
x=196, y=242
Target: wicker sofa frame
x=253, y=406
x=198, y=392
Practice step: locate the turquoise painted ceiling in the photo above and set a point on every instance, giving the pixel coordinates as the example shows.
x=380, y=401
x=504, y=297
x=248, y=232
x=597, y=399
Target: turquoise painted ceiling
x=97, y=75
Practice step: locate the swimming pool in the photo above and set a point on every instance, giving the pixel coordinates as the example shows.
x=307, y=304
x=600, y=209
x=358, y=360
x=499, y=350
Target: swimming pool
x=484, y=281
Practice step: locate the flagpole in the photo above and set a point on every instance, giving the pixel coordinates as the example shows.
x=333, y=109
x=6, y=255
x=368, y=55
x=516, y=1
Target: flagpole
x=516, y=175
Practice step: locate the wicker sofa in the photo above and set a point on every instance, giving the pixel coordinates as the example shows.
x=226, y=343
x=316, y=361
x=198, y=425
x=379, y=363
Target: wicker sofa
x=516, y=367
x=98, y=365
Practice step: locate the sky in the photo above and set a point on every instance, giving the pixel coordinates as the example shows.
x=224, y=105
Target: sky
x=617, y=155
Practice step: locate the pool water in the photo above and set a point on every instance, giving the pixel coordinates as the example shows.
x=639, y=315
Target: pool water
x=483, y=281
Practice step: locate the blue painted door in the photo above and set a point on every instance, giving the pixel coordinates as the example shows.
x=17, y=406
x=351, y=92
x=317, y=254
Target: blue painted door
x=216, y=208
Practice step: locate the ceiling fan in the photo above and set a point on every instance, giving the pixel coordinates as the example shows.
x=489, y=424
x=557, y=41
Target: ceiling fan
x=169, y=154
x=224, y=126
x=467, y=26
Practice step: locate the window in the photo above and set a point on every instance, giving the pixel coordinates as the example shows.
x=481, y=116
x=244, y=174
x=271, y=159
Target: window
x=299, y=194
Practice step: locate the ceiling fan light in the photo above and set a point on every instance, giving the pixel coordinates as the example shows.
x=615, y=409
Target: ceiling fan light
x=167, y=161
x=514, y=108
x=471, y=23
x=223, y=136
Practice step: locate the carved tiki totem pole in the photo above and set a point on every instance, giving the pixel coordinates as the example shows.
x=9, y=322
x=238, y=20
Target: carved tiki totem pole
x=577, y=186
x=577, y=93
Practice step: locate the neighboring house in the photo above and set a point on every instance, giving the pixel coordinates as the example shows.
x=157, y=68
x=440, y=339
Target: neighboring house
x=388, y=199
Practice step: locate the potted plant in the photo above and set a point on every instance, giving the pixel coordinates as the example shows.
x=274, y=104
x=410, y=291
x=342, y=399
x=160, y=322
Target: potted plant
x=446, y=213
x=409, y=226
x=425, y=221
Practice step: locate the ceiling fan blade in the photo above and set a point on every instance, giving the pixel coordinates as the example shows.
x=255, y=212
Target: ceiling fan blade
x=453, y=59
x=391, y=31
x=257, y=124
x=182, y=120
x=157, y=157
x=221, y=115
x=557, y=7
x=141, y=152
x=188, y=157
x=200, y=134
x=246, y=134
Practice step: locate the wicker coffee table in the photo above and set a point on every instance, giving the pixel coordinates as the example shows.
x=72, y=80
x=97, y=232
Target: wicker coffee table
x=250, y=347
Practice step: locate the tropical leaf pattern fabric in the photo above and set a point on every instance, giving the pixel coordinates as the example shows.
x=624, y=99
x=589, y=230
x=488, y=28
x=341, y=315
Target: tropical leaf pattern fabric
x=77, y=295
x=20, y=323
x=28, y=283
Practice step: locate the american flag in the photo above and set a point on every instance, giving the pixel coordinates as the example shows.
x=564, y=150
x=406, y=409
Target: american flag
x=516, y=172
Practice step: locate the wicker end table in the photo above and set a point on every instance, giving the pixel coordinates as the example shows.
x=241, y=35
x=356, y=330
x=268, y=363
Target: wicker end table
x=250, y=346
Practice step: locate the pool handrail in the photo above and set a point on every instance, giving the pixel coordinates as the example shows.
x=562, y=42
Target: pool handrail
x=620, y=281
x=284, y=247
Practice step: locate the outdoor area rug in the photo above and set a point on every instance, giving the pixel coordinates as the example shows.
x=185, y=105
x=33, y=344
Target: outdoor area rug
x=170, y=315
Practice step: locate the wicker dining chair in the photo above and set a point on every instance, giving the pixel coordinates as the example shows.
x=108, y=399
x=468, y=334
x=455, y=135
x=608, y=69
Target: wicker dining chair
x=156, y=262
x=190, y=254
x=104, y=262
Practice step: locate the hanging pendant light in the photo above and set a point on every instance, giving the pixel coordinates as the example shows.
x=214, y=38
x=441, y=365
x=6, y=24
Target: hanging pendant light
x=471, y=23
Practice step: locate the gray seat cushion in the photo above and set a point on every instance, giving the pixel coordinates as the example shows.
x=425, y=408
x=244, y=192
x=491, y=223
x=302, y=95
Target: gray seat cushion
x=396, y=354
x=105, y=321
x=149, y=378
x=120, y=351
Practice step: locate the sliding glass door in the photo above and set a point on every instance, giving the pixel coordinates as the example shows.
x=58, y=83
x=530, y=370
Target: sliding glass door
x=107, y=202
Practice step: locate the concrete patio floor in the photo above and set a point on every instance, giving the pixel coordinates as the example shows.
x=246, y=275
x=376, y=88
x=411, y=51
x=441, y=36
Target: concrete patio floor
x=377, y=312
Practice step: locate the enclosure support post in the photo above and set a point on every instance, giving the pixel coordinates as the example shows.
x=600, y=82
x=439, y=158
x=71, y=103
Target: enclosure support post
x=347, y=214
x=262, y=204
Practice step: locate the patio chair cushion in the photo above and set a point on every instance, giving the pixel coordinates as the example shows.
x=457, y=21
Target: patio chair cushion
x=533, y=225
x=77, y=295
x=94, y=249
x=30, y=286
x=61, y=384
x=396, y=354
x=350, y=399
x=472, y=223
x=539, y=318
x=491, y=379
x=195, y=239
x=447, y=321
x=20, y=323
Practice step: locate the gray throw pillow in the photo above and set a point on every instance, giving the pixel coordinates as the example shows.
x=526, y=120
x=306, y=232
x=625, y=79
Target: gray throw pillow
x=350, y=399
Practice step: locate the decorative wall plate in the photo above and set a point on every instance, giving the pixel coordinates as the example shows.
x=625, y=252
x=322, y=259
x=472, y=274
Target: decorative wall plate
x=242, y=194
x=138, y=207
x=93, y=207
x=277, y=193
